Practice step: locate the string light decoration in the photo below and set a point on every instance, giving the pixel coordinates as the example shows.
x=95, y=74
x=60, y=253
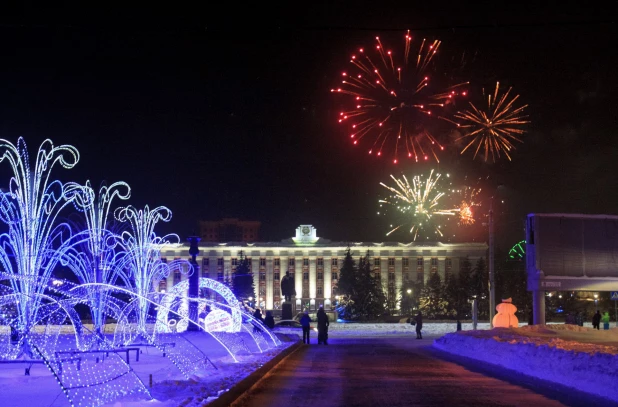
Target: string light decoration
x=35, y=241
x=92, y=260
x=178, y=293
x=38, y=317
x=140, y=253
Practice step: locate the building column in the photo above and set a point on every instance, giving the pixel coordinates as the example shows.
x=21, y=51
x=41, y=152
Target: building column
x=384, y=273
x=298, y=281
x=269, y=283
x=442, y=268
x=398, y=278
x=327, y=282
x=313, y=277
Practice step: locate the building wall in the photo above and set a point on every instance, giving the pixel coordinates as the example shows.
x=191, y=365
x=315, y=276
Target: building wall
x=313, y=267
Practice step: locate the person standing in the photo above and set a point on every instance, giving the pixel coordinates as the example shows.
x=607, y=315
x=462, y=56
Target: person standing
x=605, y=320
x=269, y=321
x=419, y=325
x=305, y=321
x=596, y=320
x=323, y=324
x=258, y=317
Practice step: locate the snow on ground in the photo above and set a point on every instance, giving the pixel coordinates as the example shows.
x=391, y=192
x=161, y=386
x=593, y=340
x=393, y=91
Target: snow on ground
x=170, y=387
x=580, y=357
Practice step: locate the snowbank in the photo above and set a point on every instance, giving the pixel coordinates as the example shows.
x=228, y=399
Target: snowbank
x=574, y=356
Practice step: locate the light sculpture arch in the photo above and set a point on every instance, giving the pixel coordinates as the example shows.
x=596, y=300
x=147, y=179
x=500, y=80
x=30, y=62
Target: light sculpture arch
x=180, y=290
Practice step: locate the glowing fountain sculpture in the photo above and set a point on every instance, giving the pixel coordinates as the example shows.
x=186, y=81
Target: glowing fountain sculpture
x=35, y=241
x=92, y=261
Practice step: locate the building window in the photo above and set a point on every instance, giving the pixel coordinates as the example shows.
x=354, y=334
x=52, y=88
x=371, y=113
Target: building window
x=220, y=276
x=377, y=275
x=419, y=277
x=234, y=261
x=319, y=288
x=262, y=291
x=334, y=262
x=277, y=262
x=276, y=276
x=391, y=261
x=405, y=261
x=262, y=261
x=320, y=262
x=163, y=259
x=376, y=262
x=448, y=263
x=391, y=277
x=305, y=276
x=419, y=262
x=434, y=262
x=262, y=276
x=176, y=277
x=290, y=262
x=334, y=276
x=205, y=262
x=320, y=275
x=220, y=261
x=305, y=262
x=162, y=285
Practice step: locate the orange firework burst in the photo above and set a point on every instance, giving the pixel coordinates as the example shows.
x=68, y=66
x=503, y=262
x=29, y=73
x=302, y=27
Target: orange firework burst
x=394, y=105
x=495, y=129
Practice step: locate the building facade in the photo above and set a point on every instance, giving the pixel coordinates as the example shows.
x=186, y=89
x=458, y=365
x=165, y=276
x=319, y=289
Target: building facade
x=314, y=264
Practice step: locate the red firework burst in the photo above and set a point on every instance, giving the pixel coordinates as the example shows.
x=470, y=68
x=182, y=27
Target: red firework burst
x=395, y=108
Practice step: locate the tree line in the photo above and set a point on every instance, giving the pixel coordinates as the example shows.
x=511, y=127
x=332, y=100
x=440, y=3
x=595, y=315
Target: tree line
x=362, y=296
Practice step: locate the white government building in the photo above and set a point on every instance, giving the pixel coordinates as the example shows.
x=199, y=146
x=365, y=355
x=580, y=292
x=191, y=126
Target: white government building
x=314, y=263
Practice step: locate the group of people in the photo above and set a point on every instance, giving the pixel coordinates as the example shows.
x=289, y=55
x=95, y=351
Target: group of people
x=269, y=320
x=597, y=319
x=323, y=324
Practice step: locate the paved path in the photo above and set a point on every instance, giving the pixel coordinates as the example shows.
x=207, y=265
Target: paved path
x=396, y=371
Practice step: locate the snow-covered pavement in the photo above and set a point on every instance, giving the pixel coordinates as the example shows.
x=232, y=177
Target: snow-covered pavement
x=573, y=356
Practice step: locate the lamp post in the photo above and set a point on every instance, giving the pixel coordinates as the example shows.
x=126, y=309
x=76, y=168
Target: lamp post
x=194, y=283
x=492, y=286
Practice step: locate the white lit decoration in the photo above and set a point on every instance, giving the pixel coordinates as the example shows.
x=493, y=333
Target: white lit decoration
x=141, y=253
x=177, y=298
x=117, y=274
x=92, y=258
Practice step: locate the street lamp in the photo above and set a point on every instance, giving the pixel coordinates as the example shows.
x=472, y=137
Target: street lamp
x=596, y=301
x=409, y=291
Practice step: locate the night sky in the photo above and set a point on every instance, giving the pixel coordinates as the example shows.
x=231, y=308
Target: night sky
x=218, y=113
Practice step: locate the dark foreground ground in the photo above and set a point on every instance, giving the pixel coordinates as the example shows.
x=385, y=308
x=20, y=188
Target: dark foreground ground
x=399, y=371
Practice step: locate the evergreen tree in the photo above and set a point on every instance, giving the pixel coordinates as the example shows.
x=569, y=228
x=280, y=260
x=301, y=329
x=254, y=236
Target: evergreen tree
x=464, y=291
x=480, y=287
x=452, y=295
x=347, y=275
x=432, y=302
x=242, y=281
x=369, y=298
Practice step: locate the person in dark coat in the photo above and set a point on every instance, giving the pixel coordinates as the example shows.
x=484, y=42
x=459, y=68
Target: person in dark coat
x=419, y=325
x=323, y=324
x=596, y=320
x=269, y=321
x=258, y=316
x=305, y=321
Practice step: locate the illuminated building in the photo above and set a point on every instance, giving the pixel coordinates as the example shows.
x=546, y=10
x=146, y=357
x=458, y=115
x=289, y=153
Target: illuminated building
x=314, y=263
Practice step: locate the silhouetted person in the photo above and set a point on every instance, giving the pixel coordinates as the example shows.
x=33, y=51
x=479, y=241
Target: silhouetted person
x=596, y=320
x=305, y=321
x=323, y=324
x=258, y=316
x=269, y=321
x=419, y=325
x=458, y=325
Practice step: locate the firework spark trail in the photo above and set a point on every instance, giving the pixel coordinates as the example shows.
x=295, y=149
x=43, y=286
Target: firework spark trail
x=418, y=202
x=496, y=128
x=393, y=103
